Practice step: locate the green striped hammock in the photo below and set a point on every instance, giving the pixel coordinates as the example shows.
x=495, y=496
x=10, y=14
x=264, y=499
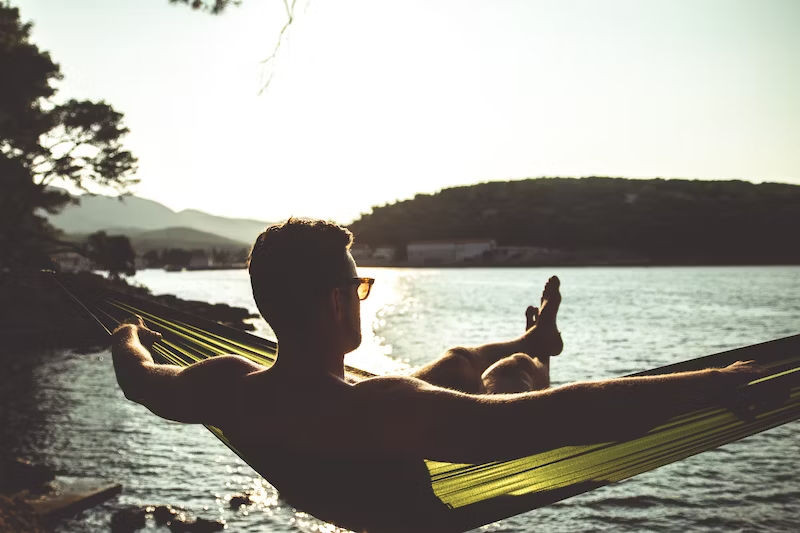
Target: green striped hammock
x=484, y=493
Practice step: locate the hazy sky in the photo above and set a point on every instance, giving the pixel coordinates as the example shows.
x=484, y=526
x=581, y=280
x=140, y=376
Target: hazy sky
x=374, y=101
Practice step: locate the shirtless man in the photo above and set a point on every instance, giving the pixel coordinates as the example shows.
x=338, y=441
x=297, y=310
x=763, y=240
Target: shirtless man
x=352, y=454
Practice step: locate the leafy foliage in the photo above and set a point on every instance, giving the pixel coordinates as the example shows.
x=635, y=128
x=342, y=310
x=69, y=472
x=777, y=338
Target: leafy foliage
x=42, y=141
x=181, y=258
x=113, y=253
x=667, y=221
x=214, y=7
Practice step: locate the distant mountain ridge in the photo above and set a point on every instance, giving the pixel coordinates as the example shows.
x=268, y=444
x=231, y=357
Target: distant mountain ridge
x=185, y=238
x=162, y=239
x=134, y=215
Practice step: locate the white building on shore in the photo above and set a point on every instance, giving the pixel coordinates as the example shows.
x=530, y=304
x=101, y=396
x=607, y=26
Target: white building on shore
x=384, y=253
x=360, y=252
x=448, y=252
x=200, y=259
x=71, y=262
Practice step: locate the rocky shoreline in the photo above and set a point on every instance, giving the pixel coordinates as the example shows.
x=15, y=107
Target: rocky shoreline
x=16, y=516
x=35, y=312
x=32, y=500
x=18, y=480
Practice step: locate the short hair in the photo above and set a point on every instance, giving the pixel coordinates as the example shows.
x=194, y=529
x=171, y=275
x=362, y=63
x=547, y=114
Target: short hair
x=293, y=264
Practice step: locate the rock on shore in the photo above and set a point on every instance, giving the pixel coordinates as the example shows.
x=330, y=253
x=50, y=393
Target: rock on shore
x=16, y=516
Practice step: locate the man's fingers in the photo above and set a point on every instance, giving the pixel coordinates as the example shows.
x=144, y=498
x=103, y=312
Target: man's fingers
x=742, y=372
x=134, y=320
x=146, y=335
x=746, y=367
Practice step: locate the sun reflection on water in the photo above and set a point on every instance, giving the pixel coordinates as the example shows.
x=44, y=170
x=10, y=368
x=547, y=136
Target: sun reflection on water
x=390, y=295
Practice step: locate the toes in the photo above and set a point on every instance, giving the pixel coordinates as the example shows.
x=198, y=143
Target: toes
x=531, y=316
x=551, y=288
x=552, y=284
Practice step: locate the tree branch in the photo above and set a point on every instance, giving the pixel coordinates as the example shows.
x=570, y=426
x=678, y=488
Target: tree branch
x=290, y=16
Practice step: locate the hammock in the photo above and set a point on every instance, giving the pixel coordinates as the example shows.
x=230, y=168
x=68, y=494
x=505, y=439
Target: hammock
x=484, y=493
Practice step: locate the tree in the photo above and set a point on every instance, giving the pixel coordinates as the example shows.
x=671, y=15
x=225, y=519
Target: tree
x=43, y=141
x=152, y=259
x=214, y=7
x=176, y=257
x=113, y=253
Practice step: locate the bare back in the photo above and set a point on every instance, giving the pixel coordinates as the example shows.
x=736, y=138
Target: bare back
x=294, y=429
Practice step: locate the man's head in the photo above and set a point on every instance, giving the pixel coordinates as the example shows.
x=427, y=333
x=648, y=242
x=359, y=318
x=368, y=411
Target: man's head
x=302, y=276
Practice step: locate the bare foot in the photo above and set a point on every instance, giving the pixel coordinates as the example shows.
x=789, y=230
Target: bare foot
x=542, y=336
x=531, y=316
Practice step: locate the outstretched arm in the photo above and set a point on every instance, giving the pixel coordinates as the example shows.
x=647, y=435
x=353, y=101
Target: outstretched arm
x=196, y=394
x=410, y=418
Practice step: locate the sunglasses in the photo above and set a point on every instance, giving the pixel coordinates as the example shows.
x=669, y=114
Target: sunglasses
x=364, y=286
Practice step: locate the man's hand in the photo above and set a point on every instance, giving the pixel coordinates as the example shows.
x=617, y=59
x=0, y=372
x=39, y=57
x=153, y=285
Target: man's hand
x=748, y=403
x=135, y=327
x=726, y=385
x=130, y=346
x=742, y=372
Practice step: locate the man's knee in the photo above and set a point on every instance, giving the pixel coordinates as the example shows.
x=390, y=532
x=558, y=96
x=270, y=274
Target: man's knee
x=460, y=359
x=515, y=373
x=523, y=360
x=461, y=371
x=514, y=364
x=511, y=374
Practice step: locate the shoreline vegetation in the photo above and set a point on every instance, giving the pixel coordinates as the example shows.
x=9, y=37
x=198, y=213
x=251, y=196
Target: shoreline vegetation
x=588, y=221
x=39, y=314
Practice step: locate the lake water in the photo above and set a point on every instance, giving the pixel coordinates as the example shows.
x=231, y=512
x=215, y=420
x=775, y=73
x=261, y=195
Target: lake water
x=614, y=321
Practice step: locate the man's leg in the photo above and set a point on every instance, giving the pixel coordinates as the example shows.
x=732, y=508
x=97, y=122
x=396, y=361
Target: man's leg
x=463, y=369
x=518, y=372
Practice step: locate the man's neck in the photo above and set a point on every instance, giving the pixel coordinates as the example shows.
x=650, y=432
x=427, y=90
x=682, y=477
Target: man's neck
x=309, y=359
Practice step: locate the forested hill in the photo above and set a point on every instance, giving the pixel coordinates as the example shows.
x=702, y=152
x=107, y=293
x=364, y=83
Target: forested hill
x=669, y=221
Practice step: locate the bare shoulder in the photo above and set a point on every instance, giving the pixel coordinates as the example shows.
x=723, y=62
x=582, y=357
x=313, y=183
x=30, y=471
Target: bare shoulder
x=227, y=366
x=389, y=385
x=396, y=394
x=217, y=380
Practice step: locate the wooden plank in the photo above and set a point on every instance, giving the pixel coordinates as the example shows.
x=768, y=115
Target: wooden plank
x=72, y=497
